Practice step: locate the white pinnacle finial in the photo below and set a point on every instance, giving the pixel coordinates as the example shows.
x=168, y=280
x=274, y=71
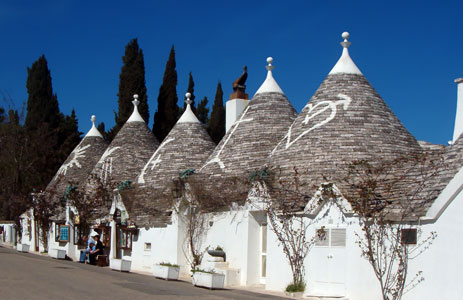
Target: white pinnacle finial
x=269, y=85
x=345, y=63
x=269, y=61
x=135, y=117
x=188, y=100
x=135, y=100
x=188, y=116
x=93, y=131
x=345, y=35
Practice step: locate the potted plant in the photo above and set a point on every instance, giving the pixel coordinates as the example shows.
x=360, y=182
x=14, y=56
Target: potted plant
x=166, y=271
x=217, y=252
x=208, y=279
x=295, y=290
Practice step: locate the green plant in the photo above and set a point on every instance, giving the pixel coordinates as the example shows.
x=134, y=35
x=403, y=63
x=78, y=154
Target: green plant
x=212, y=271
x=295, y=287
x=218, y=248
x=165, y=264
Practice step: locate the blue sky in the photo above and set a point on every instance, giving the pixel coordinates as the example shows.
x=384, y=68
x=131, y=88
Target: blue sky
x=411, y=51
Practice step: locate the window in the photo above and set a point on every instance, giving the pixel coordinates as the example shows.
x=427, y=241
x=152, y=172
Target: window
x=126, y=237
x=64, y=233
x=409, y=236
x=78, y=235
x=57, y=232
x=330, y=237
x=147, y=246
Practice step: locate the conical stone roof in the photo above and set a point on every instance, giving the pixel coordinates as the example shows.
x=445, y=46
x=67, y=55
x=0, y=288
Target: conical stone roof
x=345, y=120
x=128, y=152
x=252, y=137
x=78, y=164
x=187, y=146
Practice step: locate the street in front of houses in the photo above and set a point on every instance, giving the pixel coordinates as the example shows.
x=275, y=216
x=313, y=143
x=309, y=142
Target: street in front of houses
x=29, y=276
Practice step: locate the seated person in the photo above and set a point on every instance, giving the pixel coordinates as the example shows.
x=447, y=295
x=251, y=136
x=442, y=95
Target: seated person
x=83, y=253
x=97, y=250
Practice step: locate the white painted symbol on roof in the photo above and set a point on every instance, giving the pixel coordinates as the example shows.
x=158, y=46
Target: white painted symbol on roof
x=107, y=163
x=77, y=153
x=141, y=177
x=312, y=112
x=217, y=159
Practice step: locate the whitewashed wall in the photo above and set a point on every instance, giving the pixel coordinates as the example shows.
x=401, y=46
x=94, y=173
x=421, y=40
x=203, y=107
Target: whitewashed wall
x=442, y=262
x=329, y=271
x=164, y=241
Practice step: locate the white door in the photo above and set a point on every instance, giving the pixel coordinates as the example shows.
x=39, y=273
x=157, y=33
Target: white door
x=328, y=267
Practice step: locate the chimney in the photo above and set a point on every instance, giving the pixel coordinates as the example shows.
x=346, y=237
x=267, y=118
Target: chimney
x=238, y=100
x=459, y=117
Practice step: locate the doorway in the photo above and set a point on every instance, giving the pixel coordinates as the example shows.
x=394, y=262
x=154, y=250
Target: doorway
x=329, y=264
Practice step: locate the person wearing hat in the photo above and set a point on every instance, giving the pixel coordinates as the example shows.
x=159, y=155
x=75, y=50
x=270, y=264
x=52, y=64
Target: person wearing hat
x=98, y=250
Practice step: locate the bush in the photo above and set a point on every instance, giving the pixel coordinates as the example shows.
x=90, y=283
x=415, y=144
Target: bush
x=295, y=287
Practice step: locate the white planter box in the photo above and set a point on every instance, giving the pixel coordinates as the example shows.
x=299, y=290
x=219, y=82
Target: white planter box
x=121, y=265
x=166, y=272
x=57, y=253
x=208, y=280
x=22, y=247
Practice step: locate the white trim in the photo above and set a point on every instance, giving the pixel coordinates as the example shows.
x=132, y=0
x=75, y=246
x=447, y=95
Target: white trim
x=453, y=188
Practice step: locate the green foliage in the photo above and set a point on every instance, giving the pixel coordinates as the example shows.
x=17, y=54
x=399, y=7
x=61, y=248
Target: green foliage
x=186, y=173
x=202, y=111
x=216, y=127
x=131, y=81
x=259, y=175
x=198, y=270
x=295, y=287
x=167, y=113
x=124, y=185
x=166, y=264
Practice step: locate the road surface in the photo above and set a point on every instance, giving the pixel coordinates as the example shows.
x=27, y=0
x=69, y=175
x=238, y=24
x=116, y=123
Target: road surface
x=28, y=277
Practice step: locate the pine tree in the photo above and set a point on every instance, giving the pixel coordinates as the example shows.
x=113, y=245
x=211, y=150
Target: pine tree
x=202, y=111
x=191, y=90
x=216, y=127
x=42, y=104
x=167, y=113
x=131, y=81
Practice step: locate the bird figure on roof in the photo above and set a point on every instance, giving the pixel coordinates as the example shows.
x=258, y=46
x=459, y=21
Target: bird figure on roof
x=239, y=87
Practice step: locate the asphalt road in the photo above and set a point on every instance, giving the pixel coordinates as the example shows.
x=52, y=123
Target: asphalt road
x=29, y=277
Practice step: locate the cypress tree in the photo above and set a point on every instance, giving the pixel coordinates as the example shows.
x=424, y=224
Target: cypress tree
x=54, y=134
x=202, y=112
x=217, y=122
x=167, y=113
x=191, y=90
x=2, y=115
x=69, y=135
x=131, y=81
x=42, y=104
